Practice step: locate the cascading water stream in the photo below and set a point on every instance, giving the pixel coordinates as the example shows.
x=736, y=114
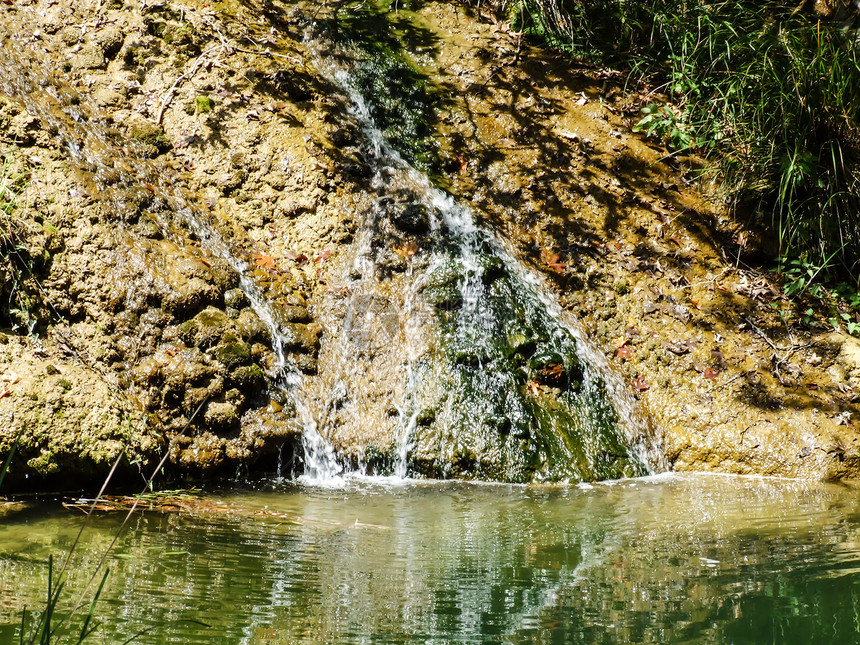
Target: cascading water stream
x=469, y=274
x=477, y=251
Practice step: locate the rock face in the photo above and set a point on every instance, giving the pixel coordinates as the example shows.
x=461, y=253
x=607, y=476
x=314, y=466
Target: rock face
x=160, y=196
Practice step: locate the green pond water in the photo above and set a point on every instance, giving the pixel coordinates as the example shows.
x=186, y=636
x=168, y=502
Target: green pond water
x=670, y=559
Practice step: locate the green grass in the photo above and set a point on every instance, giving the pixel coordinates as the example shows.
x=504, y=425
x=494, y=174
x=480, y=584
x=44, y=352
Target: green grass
x=770, y=94
x=17, y=304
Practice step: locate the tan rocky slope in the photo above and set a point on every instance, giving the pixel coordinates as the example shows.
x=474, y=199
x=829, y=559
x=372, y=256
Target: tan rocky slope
x=138, y=324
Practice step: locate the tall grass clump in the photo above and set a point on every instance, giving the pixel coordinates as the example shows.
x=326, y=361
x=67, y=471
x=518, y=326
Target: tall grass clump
x=16, y=262
x=769, y=91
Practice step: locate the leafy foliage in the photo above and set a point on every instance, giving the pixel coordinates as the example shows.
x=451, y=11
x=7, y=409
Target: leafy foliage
x=771, y=93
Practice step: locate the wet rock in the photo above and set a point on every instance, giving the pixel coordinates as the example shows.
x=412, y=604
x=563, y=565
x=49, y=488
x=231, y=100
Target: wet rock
x=221, y=416
x=251, y=328
x=235, y=298
x=442, y=287
x=110, y=40
x=205, y=329
x=194, y=397
x=186, y=369
x=232, y=352
x=147, y=133
x=303, y=338
x=296, y=314
x=413, y=219
x=235, y=397
x=307, y=363
x=223, y=275
x=248, y=379
x=91, y=56
x=204, y=454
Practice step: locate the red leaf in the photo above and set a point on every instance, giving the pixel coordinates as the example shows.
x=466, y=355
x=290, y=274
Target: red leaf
x=625, y=352
x=639, y=384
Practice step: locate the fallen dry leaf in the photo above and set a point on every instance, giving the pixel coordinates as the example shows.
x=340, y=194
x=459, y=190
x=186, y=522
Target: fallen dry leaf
x=619, y=342
x=534, y=388
x=323, y=256
x=553, y=261
x=265, y=262
x=625, y=352
x=710, y=374
x=407, y=249
x=639, y=384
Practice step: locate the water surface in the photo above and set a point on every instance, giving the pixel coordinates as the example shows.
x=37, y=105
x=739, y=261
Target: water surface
x=669, y=559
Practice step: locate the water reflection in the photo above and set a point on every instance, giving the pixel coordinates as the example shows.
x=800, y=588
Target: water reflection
x=667, y=559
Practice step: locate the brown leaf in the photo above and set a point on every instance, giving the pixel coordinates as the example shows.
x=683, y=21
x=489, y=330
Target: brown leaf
x=553, y=261
x=301, y=259
x=679, y=347
x=710, y=374
x=323, y=256
x=265, y=262
x=625, y=352
x=534, y=388
x=149, y=187
x=205, y=262
x=407, y=249
x=553, y=371
x=639, y=384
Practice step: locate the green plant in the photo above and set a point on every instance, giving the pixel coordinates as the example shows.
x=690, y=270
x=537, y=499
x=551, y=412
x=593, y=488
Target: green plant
x=662, y=121
x=16, y=262
x=766, y=90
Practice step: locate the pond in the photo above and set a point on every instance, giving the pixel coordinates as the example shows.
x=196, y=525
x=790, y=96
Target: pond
x=665, y=559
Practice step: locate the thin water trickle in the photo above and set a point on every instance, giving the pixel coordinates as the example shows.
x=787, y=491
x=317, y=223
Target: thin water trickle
x=88, y=143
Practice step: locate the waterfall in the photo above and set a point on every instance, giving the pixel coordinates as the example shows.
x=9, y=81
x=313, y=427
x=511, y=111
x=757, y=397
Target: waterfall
x=477, y=372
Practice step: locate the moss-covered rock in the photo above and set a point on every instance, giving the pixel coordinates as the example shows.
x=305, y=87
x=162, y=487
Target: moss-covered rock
x=248, y=379
x=232, y=352
x=221, y=416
